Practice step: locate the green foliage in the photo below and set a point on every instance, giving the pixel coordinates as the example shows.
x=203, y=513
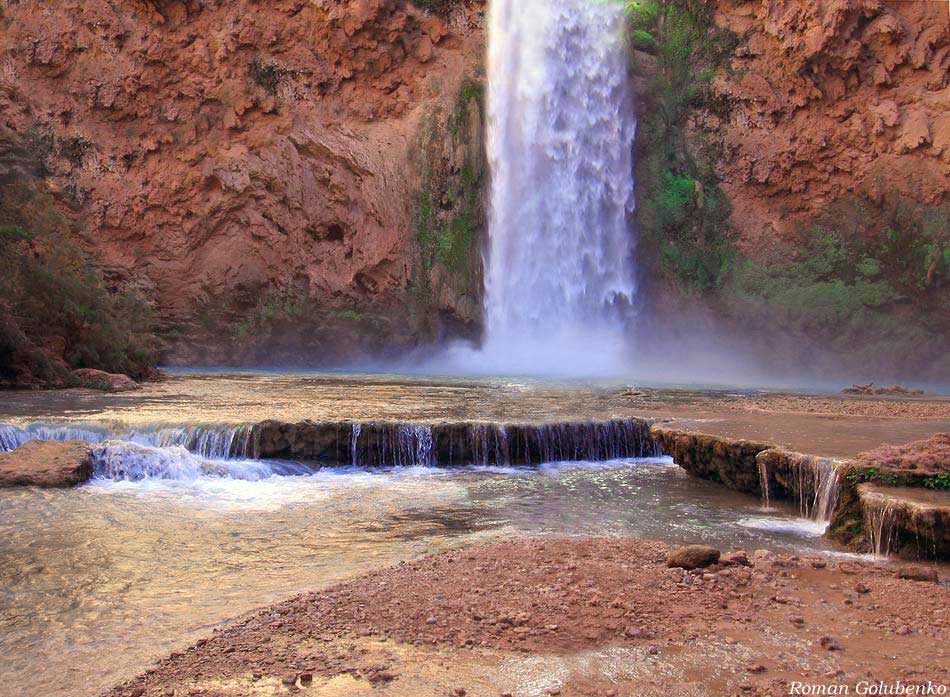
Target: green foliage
x=643, y=40
x=849, y=278
x=266, y=74
x=55, y=296
x=939, y=481
x=447, y=208
x=861, y=475
x=682, y=213
x=470, y=89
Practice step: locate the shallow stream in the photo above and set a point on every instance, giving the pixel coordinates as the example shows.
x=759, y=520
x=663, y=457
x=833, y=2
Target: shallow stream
x=98, y=581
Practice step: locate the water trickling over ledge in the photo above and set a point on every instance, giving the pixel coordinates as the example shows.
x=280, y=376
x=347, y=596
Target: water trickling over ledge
x=194, y=450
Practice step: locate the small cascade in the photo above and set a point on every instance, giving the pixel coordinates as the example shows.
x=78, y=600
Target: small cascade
x=354, y=439
x=371, y=444
x=213, y=441
x=818, y=487
x=814, y=481
x=529, y=444
x=128, y=461
x=826, y=494
x=764, y=482
x=12, y=437
x=880, y=516
x=383, y=444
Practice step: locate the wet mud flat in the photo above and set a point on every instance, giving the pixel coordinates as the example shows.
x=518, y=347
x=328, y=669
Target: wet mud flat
x=578, y=617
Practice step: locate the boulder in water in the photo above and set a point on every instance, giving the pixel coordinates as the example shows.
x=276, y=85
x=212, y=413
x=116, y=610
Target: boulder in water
x=107, y=382
x=693, y=557
x=47, y=464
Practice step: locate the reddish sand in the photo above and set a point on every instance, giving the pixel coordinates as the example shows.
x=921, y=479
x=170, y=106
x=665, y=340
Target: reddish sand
x=577, y=617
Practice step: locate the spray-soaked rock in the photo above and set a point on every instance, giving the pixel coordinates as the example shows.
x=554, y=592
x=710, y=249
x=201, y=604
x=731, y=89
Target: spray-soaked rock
x=46, y=464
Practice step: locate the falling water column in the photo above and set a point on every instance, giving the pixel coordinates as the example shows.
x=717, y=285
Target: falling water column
x=560, y=138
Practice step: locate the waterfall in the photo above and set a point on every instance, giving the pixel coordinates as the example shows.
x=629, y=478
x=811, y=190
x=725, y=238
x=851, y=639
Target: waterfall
x=228, y=450
x=814, y=481
x=560, y=140
x=215, y=442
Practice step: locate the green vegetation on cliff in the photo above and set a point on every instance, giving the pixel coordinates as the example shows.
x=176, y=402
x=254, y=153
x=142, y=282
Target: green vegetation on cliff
x=682, y=213
x=58, y=312
x=449, y=212
x=869, y=277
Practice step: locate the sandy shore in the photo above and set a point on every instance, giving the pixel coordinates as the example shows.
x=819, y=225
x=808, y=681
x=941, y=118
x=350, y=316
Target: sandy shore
x=578, y=617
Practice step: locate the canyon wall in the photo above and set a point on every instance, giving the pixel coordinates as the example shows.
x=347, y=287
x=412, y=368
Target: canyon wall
x=830, y=99
x=250, y=164
x=794, y=185
x=303, y=181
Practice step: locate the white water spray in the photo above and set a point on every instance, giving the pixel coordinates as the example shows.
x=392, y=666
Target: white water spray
x=560, y=139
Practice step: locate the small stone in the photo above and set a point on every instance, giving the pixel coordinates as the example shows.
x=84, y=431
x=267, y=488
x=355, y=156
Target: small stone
x=830, y=643
x=431, y=620
x=757, y=668
x=306, y=678
x=903, y=631
x=916, y=572
x=289, y=679
x=632, y=632
x=861, y=588
x=737, y=558
x=137, y=692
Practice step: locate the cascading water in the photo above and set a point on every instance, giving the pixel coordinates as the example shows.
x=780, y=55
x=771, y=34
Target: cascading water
x=560, y=139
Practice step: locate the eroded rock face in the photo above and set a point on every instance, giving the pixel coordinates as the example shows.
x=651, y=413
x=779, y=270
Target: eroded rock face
x=828, y=98
x=224, y=151
x=725, y=460
x=910, y=463
x=47, y=464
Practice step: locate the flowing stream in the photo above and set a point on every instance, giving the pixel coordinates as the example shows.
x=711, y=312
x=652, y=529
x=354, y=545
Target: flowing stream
x=183, y=528
x=101, y=579
x=560, y=140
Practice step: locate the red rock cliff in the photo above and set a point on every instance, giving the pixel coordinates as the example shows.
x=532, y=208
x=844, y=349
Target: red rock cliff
x=830, y=98
x=222, y=150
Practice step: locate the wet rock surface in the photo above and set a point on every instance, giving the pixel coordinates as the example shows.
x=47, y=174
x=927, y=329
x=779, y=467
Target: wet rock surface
x=726, y=460
x=107, y=382
x=693, y=557
x=46, y=464
x=471, y=622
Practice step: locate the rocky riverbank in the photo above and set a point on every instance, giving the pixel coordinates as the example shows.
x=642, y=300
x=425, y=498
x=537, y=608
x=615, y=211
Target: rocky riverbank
x=579, y=617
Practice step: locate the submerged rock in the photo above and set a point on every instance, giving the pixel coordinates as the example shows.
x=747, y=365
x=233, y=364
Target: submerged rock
x=107, y=382
x=47, y=464
x=693, y=557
